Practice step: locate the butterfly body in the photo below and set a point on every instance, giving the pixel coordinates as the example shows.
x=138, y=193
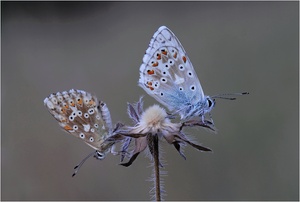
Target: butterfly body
x=167, y=74
x=81, y=115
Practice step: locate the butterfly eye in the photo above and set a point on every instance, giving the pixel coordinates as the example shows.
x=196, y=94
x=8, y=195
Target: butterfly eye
x=75, y=127
x=181, y=67
x=91, y=139
x=193, y=88
x=190, y=74
x=86, y=115
x=210, y=103
x=81, y=135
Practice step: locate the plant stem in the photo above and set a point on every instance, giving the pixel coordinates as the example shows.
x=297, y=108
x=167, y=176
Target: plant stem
x=156, y=167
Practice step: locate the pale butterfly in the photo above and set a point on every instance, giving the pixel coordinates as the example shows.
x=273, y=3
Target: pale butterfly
x=80, y=114
x=167, y=74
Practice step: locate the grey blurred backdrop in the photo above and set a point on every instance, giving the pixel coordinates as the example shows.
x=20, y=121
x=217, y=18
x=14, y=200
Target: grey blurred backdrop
x=98, y=47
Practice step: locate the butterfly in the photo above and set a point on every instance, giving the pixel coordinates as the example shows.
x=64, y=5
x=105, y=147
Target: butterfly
x=167, y=75
x=80, y=114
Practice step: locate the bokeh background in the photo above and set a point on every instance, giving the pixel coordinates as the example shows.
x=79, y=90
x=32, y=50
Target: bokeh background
x=98, y=47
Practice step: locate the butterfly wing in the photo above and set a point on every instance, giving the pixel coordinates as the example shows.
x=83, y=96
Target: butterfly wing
x=167, y=73
x=80, y=114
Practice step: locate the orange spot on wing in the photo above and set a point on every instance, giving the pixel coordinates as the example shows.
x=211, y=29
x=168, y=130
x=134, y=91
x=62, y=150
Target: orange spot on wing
x=91, y=102
x=184, y=59
x=158, y=56
x=149, y=85
x=150, y=72
x=164, y=52
x=155, y=64
x=175, y=55
x=79, y=101
x=63, y=120
x=67, y=127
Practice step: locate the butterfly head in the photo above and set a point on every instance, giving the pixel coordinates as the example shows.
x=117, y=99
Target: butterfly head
x=209, y=104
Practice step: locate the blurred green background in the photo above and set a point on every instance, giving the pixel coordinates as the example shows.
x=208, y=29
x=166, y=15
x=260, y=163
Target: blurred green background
x=98, y=47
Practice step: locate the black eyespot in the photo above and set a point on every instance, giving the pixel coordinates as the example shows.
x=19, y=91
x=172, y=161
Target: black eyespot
x=81, y=135
x=164, y=80
x=161, y=94
x=192, y=88
x=91, y=111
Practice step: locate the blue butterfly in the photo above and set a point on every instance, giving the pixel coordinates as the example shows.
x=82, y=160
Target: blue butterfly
x=167, y=75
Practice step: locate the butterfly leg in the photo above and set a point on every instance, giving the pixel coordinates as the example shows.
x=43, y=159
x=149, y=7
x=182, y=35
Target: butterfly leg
x=211, y=119
x=202, y=123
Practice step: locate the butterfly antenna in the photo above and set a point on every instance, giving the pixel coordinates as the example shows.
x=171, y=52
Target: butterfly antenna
x=76, y=168
x=227, y=96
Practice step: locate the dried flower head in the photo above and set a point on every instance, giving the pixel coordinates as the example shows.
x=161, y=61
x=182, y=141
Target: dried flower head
x=154, y=121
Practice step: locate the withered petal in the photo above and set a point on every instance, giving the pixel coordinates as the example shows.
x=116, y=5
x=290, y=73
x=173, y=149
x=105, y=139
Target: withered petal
x=199, y=147
x=132, y=113
x=131, y=160
x=177, y=147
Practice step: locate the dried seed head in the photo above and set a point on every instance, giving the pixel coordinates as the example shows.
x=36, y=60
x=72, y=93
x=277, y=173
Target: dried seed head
x=154, y=117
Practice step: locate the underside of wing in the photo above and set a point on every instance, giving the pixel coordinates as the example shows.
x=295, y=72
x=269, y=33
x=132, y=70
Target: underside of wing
x=79, y=113
x=167, y=73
